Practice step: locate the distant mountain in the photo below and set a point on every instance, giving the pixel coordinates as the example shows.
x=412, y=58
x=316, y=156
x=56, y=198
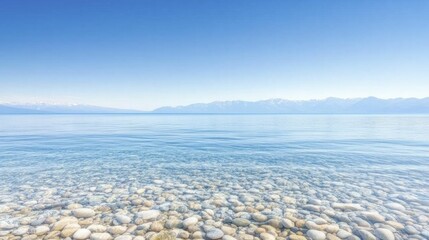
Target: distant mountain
x=54, y=108
x=370, y=105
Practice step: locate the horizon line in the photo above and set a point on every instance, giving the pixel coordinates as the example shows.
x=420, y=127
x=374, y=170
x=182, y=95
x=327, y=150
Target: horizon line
x=215, y=101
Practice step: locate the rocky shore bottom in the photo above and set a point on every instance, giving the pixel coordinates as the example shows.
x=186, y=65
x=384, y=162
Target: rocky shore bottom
x=212, y=201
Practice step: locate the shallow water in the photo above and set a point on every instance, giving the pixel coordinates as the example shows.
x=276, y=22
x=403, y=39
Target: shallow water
x=306, y=168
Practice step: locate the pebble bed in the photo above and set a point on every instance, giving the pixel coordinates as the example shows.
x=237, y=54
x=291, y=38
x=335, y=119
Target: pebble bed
x=212, y=200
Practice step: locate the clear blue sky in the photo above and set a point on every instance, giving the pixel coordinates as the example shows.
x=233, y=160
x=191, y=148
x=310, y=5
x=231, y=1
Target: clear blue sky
x=145, y=54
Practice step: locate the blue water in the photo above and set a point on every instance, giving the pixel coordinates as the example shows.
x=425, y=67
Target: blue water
x=371, y=141
x=330, y=155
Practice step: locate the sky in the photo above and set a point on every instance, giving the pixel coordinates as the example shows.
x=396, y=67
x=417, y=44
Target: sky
x=151, y=53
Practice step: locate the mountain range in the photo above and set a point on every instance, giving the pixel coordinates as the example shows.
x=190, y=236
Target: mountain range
x=369, y=105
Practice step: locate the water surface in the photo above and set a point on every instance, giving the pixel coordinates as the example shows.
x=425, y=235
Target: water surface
x=48, y=162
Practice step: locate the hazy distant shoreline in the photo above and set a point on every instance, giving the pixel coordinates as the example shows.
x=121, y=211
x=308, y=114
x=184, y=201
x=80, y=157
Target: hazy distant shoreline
x=369, y=105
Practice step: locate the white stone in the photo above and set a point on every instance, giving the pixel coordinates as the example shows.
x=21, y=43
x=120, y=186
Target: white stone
x=122, y=219
x=286, y=223
x=58, y=226
x=259, y=217
x=7, y=225
x=40, y=230
x=347, y=206
x=149, y=214
x=373, y=216
x=190, y=221
x=97, y=228
x=227, y=237
x=289, y=200
x=343, y=234
x=411, y=230
x=101, y=236
x=116, y=230
x=20, y=231
x=316, y=235
x=81, y=234
x=384, y=234
x=395, y=206
x=83, y=212
x=365, y=235
x=333, y=228
x=267, y=236
x=124, y=237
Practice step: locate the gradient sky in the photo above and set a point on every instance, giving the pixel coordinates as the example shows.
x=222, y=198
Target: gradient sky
x=145, y=54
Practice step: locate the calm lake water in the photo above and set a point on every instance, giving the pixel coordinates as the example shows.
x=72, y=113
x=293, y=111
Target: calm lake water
x=361, y=173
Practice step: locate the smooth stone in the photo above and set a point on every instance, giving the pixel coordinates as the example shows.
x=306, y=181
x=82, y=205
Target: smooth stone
x=149, y=214
x=343, y=233
x=52, y=235
x=122, y=219
x=58, y=226
x=312, y=207
x=395, y=225
x=333, y=228
x=374, y=216
x=190, y=221
x=97, y=228
x=172, y=223
x=74, y=206
x=347, y=206
x=69, y=230
x=101, y=236
x=320, y=221
x=423, y=219
x=313, y=225
x=215, y=233
x=384, y=234
x=164, y=235
x=227, y=237
x=7, y=225
x=4, y=208
x=411, y=230
x=116, y=230
x=209, y=212
x=198, y=235
x=228, y=230
x=267, y=236
x=83, y=212
x=241, y=222
x=40, y=230
x=365, y=235
x=331, y=236
x=274, y=223
x=259, y=217
x=395, y=206
x=289, y=200
x=297, y=237
x=183, y=235
x=425, y=233
x=316, y=235
x=156, y=226
x=81, y=234
x=124, y=237
x=286, y=223
x=20, y=231
x=39, y=221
